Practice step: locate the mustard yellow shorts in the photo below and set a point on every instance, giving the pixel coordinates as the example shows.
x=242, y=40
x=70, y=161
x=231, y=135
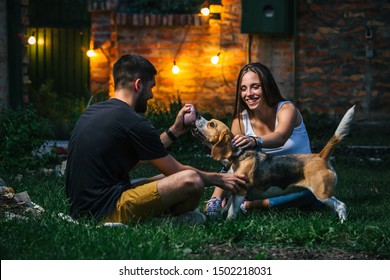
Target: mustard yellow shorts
x=137, y=204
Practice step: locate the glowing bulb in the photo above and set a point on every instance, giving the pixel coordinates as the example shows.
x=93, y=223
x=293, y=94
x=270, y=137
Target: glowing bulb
x=175, y=69
x=215, y=59
x=205, y=11
x=91, y=53
x=31, y=40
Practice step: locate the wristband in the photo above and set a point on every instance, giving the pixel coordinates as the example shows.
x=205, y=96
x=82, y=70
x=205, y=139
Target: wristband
x=171, y=135
x=259, y=142
x=256, y=143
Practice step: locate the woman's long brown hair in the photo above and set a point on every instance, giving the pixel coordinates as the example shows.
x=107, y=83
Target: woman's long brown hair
x=269, y=87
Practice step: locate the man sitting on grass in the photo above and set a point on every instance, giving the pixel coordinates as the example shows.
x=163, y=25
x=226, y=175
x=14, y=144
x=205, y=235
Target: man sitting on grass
x=111, y=138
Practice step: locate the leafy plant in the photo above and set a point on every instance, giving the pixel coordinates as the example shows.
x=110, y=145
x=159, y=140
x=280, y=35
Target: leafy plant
x=21, y=131
x=61, y=111
x=320, y=127
x=163, y=117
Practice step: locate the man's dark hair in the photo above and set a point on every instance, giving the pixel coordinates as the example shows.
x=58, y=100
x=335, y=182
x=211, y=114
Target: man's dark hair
x=130, y=67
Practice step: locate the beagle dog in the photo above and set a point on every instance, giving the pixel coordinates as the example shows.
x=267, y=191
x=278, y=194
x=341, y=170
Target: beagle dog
x=311, y=171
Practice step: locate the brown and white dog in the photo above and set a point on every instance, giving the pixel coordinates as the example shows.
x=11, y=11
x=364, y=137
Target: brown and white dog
x=311, y=171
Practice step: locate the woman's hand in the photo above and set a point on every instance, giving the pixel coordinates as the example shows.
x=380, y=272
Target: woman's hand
x=244, y=141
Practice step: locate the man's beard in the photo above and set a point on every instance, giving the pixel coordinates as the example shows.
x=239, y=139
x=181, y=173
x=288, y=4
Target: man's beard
x=142, y=102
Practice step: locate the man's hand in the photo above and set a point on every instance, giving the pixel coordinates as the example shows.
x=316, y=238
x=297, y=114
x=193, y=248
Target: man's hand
x=233, y=182
x=179, y=128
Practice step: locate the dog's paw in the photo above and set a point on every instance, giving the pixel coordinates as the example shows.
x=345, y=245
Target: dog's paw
x=338, y=206
x=342, y=212
x=231, y=216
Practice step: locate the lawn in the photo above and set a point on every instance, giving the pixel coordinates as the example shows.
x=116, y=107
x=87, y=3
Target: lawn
x=269, y=234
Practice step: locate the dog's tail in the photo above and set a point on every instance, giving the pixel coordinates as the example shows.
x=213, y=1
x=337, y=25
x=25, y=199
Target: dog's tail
x=341, y=131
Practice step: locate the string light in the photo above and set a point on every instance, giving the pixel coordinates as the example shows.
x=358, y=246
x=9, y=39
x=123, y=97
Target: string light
x=32, y=40
x=205, y=8
x=215, y=59
x=175, y=68
x=205, y=11
x=91, y=53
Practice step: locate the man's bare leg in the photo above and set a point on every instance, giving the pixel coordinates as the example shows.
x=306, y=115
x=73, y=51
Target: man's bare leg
x=182, y=191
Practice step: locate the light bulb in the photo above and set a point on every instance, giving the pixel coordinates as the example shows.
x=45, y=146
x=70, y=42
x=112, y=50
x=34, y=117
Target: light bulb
x=91, y=53
x=215, y=59
x=175, y=69
x=31, y=40
x=205, y=11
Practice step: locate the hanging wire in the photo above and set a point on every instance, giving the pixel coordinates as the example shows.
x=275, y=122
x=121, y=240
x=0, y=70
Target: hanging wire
x=222, y=61
x=182, y=42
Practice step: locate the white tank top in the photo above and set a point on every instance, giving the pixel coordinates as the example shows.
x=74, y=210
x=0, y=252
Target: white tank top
x=298, y=143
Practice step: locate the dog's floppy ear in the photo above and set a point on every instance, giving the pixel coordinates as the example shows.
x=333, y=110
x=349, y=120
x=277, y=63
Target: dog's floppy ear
x=223, y=148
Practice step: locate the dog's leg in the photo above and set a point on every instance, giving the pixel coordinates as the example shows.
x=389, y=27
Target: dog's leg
x=227, y=205
x=338, y=206
x=235, y=206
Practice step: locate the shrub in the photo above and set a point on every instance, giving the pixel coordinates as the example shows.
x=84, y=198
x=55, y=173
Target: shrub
x=320, y=127
x=163, y=117
x=21, y=131
x=61, y=111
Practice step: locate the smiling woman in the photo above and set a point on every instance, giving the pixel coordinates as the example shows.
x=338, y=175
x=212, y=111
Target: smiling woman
x=265, y=121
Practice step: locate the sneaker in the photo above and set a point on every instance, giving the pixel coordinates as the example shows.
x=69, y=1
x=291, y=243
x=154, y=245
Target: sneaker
x=214, y=207
x=243, y=207
x=191, y=218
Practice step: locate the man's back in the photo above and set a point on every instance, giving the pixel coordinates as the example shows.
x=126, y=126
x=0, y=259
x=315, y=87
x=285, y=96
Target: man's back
x=107, y=141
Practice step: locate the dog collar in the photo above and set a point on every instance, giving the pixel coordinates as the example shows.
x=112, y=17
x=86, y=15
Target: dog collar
x=226, y=168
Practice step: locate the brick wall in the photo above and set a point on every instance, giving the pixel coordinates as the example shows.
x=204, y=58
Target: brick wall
x=334, y=70
x=3, y=56
x=189, y=40
x=323, y=68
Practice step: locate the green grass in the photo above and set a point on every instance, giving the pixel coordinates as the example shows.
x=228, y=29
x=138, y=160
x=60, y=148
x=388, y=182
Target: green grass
x=363, y=185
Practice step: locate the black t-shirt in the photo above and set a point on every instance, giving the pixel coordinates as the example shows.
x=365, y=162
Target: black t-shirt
x=108, y=140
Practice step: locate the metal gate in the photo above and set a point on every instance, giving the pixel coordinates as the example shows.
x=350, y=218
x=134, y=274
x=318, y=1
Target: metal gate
x=62, y=32
x=59, y=54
